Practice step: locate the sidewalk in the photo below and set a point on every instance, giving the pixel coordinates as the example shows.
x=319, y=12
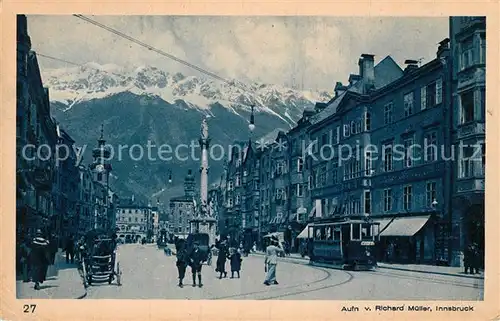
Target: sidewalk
x=63, y=282
x=417, y=268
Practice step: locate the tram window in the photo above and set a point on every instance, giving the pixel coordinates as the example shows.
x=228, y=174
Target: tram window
x=376, y=229
x=356, y=231
x=346, y=233
x=366, y=231
x=329, y=234
x=318, y=234
x=323, y=233
x=336, y=234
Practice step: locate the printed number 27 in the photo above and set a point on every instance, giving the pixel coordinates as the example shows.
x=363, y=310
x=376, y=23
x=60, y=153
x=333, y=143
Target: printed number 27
x=29, y=308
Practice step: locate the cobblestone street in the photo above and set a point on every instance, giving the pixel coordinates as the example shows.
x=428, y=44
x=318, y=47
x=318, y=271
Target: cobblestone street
x=149, y=274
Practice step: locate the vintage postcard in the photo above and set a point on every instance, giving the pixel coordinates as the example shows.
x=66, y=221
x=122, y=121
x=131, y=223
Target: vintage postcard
x=188, y=161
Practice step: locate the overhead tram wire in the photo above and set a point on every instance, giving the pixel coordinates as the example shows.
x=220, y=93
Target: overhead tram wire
x=165, y=54
x=161, y=52
x=76, y=64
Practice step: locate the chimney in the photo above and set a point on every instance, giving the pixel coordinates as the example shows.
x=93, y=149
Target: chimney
x=411, y=65
x=366, y=70
x=353, y=79
x=339, y=88
x=443, y=51
x=318, y=107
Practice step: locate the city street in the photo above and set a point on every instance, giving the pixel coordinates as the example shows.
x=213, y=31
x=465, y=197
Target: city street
x=149, y=274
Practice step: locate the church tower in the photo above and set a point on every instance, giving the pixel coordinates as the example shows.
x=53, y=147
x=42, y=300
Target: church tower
x=189, y=185
x=101, y=168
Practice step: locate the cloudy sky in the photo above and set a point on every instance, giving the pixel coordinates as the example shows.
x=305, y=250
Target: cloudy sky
x=301, y=52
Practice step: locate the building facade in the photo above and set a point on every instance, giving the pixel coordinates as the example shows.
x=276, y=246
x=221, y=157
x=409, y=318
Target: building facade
x=85, y=205
x=67, y=186
x=34, y=128
x=132, y=221
x=468, y=87
x=104, y=209
x=299, y=173
x=182, y=208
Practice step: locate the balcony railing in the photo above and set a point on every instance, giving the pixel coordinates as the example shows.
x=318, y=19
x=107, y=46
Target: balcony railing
x=473, y=128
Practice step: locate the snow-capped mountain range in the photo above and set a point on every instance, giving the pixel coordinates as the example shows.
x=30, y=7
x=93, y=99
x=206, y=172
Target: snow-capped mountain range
x=71, y=86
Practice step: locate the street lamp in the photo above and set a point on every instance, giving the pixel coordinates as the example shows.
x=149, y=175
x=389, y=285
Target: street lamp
x=251, y=126
x=170, y=176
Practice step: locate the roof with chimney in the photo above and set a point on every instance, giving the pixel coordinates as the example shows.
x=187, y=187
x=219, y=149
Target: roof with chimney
x=385, y=72
x=270, y=137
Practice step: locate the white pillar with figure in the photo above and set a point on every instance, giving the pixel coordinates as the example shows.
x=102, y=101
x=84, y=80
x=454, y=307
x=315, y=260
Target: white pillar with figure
x=204, y=220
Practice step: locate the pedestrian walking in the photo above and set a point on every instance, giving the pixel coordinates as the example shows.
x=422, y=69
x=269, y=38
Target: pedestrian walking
x=287, y=248
x=39, y=258
x=390, y=253
x=271, y=261
x=477, y=258
x=468, y=259
x=235, y=259
x=196, y=261
x=70, y=250
x=221, y=259
x=473, y=259
x=182, y=262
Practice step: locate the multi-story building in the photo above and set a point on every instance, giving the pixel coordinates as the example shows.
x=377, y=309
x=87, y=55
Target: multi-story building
x=182, y=208
x=385, y=128
x=267, y=217
x=250, y=198
x=381, y=148
x=300, y=196
x=132, y=221
x=155, y=218
x=34, y=128
x=85, y=205
x=468, y=87
x=234, y=190
x=67, y=184
x=101, y=169
x=279, y=182
x=215, y=202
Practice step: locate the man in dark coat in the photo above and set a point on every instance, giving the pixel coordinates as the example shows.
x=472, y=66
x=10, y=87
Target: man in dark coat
x=221, y=259
x=182, y=262
x=39, y=258
x=196, y=261
x=53, y=248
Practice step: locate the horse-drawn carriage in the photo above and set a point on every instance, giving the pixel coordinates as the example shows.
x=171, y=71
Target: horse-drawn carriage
x=99, y=258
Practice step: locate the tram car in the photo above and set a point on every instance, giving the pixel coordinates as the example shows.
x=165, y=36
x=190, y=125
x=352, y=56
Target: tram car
x=347, y=244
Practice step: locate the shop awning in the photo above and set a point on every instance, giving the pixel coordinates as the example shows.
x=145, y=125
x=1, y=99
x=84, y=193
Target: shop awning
x=405, y=226
x=304, y=234
x=383, y=223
